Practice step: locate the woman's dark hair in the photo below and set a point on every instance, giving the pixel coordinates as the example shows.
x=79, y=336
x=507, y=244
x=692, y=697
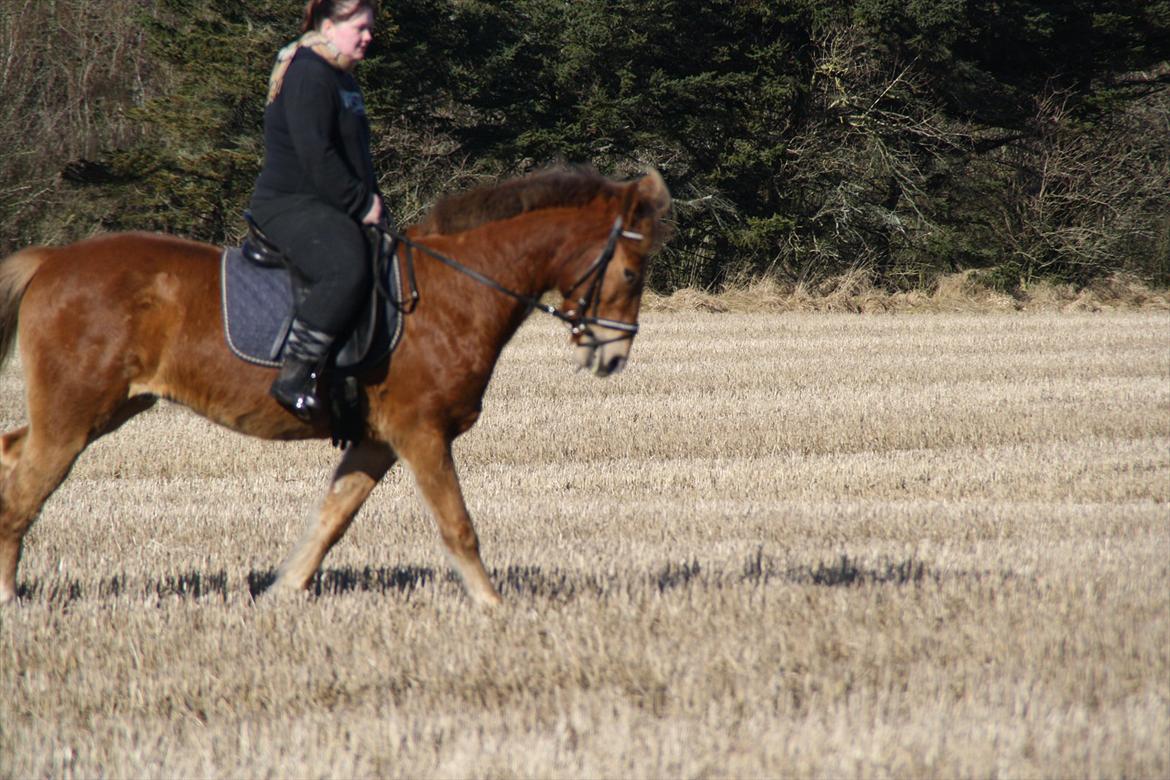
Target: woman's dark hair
x=317, y=11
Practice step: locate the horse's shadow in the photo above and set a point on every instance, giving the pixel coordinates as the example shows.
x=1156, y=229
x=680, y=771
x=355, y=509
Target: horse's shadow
x=196, y=585
x=523, y=582
x=352, y=579
x=516, y=581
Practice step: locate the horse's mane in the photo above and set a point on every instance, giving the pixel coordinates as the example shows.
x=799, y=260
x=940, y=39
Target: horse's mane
x=556, y=187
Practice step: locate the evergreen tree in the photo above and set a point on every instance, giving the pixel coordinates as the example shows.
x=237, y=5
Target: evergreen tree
x=801, y=138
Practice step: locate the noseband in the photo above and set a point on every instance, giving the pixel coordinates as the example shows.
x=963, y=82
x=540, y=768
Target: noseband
x=579, y=319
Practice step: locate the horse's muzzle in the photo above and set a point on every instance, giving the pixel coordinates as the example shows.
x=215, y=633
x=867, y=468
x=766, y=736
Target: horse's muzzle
x=600, y=354
x=613, y=366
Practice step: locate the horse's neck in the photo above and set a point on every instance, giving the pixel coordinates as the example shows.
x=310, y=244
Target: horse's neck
x=527, y=254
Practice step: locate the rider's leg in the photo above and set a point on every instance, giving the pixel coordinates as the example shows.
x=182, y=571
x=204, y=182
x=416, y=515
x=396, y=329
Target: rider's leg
x=304, y=357
x=329, y=253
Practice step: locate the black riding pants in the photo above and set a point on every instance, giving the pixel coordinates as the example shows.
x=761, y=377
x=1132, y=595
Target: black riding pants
x=328, y=249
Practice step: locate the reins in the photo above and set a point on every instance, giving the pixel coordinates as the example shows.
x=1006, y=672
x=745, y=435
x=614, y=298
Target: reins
x=578, y=319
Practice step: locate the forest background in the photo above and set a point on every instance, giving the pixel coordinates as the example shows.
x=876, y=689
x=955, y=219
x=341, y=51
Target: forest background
x=904, y=140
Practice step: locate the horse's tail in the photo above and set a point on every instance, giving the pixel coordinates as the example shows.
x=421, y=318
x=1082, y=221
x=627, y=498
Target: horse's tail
x=16, y=271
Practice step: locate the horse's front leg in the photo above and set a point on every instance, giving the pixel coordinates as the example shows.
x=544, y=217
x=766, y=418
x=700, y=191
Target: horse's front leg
x=429, y=457
x=359, y=472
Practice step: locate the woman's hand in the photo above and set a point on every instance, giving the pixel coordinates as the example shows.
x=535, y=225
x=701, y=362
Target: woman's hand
x=374, y=215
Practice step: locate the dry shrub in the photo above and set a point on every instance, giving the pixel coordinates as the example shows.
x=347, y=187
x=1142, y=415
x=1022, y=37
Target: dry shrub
x=964, y=292
x=69, y=72
x=1119, y=291
x=683, y=300
x=1089, y=196
x=960, y=292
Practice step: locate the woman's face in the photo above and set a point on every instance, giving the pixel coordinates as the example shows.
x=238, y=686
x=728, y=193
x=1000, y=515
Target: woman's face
x=351, y=35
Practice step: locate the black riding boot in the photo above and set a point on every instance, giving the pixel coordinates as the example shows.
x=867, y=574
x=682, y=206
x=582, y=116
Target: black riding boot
x=296, y=386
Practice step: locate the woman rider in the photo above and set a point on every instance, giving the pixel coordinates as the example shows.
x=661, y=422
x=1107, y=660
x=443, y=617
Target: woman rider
x=317, y=187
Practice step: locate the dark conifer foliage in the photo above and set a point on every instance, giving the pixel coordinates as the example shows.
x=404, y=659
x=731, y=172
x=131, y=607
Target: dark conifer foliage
x=801, y=138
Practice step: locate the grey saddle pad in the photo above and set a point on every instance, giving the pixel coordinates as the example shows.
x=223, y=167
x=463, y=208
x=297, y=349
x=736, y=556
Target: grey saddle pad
x=258, y=305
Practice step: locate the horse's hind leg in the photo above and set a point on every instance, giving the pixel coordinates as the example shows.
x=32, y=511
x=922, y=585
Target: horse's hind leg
x=360, y=470
x=65, y=413
x=12, y=443
x=34, y=461
x=43, y=463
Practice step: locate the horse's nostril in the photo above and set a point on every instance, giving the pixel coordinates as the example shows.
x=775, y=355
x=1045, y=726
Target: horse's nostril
x=616, y=364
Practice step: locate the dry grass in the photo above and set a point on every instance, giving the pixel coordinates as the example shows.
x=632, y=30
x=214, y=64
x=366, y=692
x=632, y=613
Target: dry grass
x=960, y=292
x=798, y=545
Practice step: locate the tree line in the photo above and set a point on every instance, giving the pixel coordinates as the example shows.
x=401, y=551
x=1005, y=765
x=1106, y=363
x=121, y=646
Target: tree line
x=802, y=139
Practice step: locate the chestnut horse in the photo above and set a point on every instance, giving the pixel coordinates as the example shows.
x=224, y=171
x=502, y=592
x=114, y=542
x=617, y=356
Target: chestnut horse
x=110, y=324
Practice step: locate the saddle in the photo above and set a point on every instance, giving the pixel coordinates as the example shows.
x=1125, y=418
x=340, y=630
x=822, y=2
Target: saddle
x=260, y=292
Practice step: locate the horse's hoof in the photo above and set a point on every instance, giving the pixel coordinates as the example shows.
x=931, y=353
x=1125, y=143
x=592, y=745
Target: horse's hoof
x=283, y=590
x=489, y=602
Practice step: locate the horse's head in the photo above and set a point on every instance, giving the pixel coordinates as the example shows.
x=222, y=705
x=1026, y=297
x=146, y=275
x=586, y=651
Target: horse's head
x=603, y=299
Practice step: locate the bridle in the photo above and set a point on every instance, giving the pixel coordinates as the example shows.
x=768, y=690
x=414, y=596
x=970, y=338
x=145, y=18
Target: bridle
x=580, y=319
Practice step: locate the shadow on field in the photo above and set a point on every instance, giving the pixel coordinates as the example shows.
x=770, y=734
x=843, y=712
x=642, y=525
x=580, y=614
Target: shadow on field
x=525, y=582
x=843, y=572
x=758, y=570
x=190, y=585
x=350, y=579
x=199, y=585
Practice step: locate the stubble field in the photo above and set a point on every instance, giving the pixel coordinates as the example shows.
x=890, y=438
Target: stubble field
x=799, y=545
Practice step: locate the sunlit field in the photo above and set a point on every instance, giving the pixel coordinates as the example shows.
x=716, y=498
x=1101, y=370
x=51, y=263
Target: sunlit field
x=797, y=545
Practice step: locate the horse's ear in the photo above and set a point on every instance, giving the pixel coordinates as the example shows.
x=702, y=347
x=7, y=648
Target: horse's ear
x=649, y=204
x=652, y=192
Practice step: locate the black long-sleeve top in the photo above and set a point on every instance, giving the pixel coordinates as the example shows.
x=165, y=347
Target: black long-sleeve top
x=317, y=139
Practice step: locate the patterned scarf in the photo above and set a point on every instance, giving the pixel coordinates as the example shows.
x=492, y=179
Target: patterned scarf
x=319, y=44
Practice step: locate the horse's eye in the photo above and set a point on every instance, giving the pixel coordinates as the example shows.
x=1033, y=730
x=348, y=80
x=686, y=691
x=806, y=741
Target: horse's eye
x=631, y=276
